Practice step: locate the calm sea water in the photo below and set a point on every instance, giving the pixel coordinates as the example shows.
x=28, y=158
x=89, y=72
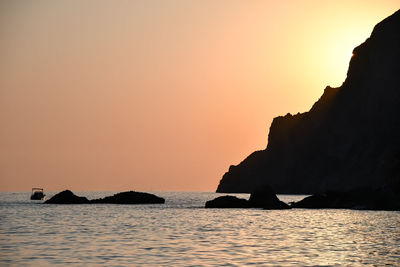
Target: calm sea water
x=183, y=233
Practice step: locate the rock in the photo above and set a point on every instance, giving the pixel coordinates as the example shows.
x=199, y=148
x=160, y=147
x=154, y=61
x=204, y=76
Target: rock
x=227, y=202
x=348, y=139
x=360, y=199
x=266, y=198
x=66, y=197
x=318, y=201
x=131, y=197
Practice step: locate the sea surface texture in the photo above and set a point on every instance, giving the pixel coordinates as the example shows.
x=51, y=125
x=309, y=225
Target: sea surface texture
x=182, y=232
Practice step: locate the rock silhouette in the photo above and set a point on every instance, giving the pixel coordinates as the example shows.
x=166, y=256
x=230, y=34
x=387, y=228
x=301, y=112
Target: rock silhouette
x=264, y=197
x=131, y=197
x=348, y=139
x=67, y=197
x=360, y=198
x=227, y=202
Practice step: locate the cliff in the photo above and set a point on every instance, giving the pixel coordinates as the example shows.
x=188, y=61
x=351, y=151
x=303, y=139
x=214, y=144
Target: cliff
x=349, y=138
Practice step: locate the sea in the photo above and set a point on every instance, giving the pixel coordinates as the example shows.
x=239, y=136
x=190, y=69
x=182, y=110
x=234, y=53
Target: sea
x=182, y=232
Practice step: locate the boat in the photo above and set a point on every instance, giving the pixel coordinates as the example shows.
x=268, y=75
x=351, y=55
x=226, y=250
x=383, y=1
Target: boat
x=37, y=194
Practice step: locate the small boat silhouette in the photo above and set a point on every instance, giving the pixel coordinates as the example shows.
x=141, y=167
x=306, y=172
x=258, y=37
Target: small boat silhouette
x=37, y=194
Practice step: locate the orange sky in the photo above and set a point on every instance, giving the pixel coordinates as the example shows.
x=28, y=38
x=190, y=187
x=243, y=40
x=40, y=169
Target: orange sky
x=160, y=95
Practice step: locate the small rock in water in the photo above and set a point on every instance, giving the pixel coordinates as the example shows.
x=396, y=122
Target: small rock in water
x=130, y=197
x=67, y=197
x=358, y=198
x=266, y=198
x=227, y=202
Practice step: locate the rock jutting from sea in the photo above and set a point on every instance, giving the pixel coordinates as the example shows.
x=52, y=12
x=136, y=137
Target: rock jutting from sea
x=264, y=197
x=67, y=197
x=130, y=197
x=358, y=199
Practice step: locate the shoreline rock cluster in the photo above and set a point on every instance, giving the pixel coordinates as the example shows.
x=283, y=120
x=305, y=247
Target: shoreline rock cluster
x=362, y=198
x=130, y=197
x=356, y=199
x=264, y=198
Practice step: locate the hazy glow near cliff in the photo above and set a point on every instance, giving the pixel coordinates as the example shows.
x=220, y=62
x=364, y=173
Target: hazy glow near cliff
x=160, y=95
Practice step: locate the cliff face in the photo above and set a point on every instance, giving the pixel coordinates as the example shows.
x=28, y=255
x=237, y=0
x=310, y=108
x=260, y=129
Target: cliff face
x=349, y=138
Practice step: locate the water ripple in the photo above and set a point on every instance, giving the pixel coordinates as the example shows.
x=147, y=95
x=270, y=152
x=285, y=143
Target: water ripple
x=180, y=234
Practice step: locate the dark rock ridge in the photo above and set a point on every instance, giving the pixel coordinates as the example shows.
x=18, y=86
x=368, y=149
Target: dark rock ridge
x=67, y=197
x=360, y=198
x=227, y=202
x=263, y=197
x=131, y=197
x=348, y=139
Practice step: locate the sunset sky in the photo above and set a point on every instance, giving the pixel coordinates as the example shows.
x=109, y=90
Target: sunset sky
x=158, y=95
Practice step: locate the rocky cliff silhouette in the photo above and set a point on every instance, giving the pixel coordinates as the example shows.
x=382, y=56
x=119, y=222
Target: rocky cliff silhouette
x=350, y=137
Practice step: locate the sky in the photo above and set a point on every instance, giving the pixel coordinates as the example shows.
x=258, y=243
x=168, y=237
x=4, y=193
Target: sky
x=158, y=95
